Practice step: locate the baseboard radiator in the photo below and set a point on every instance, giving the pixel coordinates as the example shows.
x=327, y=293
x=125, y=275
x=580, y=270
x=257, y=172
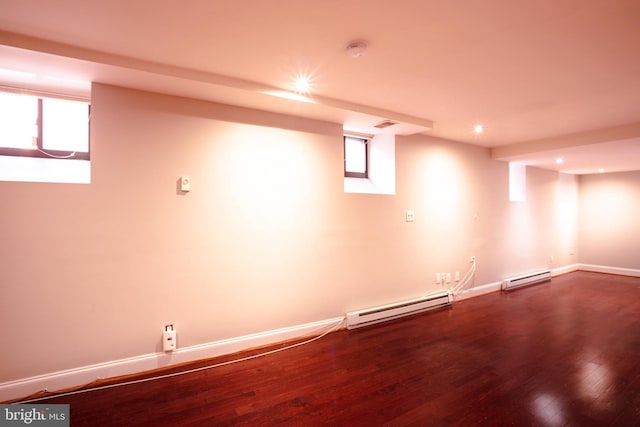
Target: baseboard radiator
x=360, y=318
x=525, y=280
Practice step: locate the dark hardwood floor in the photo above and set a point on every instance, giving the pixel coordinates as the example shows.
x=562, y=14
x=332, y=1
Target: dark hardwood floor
x=565, y=352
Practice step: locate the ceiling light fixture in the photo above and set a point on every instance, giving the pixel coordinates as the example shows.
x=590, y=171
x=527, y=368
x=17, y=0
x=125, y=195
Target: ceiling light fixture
x=357, y=48
x=302, y=84
x=559, y=160
x=478, y=129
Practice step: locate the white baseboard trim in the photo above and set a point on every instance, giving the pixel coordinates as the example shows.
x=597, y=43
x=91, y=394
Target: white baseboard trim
x=479, y=290
x=87, y=374
x=564, y=269
x=497, y=286
x=609, y=270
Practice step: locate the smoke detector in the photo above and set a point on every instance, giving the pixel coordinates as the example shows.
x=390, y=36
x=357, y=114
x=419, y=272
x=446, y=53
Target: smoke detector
x=356, y=49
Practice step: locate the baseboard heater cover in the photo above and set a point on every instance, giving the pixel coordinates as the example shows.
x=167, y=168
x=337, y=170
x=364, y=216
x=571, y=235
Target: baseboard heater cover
x=360, y=318
x=525, y=280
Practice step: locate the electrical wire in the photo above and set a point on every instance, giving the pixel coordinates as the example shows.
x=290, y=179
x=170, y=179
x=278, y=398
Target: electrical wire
x=190, y=371
x=68, y=156
x=80, y=390
x=455, y=290
x=465, y=280
x=461, y=284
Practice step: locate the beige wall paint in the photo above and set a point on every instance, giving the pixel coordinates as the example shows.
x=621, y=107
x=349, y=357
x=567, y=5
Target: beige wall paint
x=266, y=238
x=462, y=209
x=609, y=219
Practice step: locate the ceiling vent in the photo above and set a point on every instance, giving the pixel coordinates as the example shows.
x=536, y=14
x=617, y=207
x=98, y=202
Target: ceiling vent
x=385, y=124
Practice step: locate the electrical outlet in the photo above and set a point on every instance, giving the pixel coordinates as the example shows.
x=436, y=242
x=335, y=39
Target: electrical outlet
x=410, y=215
x=473, y=258
x=169, y=338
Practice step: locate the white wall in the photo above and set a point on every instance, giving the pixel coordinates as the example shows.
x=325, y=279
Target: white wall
x=462, y=206
x=610, y=219
x=266, y=239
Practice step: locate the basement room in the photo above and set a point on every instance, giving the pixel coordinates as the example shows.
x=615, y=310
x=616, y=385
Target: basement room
x=296, y=213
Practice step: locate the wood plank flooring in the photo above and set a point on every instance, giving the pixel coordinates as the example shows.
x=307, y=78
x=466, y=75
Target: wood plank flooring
x=561, y=353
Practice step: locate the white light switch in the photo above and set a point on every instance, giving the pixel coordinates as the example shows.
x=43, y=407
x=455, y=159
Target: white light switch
x=410, y=215
x=185, y=183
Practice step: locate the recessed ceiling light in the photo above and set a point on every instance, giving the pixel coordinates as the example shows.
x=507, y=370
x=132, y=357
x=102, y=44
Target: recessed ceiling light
x=559, y=160
x=302, y=84
x=478, y=128
x=600, y=170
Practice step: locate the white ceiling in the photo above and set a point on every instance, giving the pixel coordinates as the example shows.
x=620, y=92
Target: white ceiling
x=547, y=79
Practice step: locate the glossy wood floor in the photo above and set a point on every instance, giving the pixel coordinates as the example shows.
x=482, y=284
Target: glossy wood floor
x=561, y=353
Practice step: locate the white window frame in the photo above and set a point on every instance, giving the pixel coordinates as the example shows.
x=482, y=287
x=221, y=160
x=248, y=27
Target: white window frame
x=41, y=165
x=381, y=177
x=350, y=173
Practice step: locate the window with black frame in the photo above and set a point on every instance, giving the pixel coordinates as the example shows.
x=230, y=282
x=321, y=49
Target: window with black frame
x=356, y=157
x=33, y=126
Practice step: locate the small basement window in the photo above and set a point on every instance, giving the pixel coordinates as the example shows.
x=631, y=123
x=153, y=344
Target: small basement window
x=44, y=139
x=370, y=164
x=517, y=182
x=356, y=157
